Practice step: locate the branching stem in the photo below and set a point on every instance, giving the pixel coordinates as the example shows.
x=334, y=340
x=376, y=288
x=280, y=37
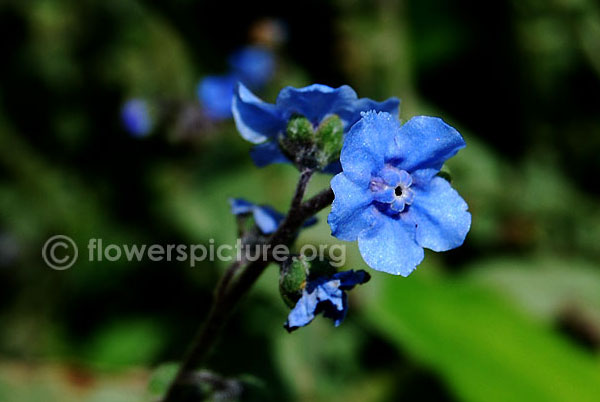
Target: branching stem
x=231, y=290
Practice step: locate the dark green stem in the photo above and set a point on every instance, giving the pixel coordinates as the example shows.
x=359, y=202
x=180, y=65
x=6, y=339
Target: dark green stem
x=230, y=292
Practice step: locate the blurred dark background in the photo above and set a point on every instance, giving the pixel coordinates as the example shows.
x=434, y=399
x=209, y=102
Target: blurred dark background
x=512, y=315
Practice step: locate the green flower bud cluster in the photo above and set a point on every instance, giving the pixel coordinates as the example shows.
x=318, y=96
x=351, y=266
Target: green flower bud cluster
x=313, y=148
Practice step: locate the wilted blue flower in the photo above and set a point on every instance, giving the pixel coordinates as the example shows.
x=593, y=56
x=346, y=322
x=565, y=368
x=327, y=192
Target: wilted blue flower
x=215, y=93
x=262, y=123
x=253, y=65
x=267, y=219
x=327, y=295
x=389, y=196
x=136, y=117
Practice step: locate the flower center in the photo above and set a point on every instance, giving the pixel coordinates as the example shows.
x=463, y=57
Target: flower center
x=391, y=188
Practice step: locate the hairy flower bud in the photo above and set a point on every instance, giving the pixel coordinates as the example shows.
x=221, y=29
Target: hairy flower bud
x=292, y=279
x=330, y=138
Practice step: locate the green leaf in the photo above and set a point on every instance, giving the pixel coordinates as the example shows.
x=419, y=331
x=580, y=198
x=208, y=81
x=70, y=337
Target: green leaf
x=481, y=347
x=545, y=287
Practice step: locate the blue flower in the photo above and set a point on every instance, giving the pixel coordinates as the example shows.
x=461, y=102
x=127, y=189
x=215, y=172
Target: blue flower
x=215, y=94
x=262, y=123
x=327, y=295
x=253, y=65
x=136, y=117
x=389, y=196
x=266, y=218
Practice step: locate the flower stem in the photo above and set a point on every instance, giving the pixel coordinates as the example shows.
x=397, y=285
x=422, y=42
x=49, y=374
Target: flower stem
x=229, y=291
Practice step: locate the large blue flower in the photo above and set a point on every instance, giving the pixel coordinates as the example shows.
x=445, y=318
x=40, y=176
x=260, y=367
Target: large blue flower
x=266, y=218
x=327, y=295
x=389, y=196
x=262, y=123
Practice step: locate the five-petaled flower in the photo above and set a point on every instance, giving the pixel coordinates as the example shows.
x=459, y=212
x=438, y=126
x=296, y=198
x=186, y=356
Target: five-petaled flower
x=389, y=196
x=327, y=295
x=264, y=123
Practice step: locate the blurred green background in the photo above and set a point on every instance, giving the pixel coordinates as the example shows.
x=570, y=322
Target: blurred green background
x=513, y=315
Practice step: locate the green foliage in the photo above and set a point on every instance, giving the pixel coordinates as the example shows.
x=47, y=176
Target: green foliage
x=124, y=344
x=483, y=321
x=483, y=348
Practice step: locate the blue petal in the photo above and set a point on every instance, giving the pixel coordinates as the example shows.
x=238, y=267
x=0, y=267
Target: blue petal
x=254, y=65
x=215, y=94
x=351, y=113
x=330, y=291
x=349, y=279
x=256, y=121
x=136, y=117
x=440, y=214
x=315, y=101
x=240, y=206
x=390, y=246
x=426, y=143
x=267, y=153
x=351, y=212
x=368, y=145
x=310, y=222
x=336, y=312
x=267, y=219
x=333, y=168
x=303, y=312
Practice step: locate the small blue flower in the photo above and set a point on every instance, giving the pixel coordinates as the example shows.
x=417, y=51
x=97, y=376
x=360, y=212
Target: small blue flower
x=253, y=65
x=215, y=94
x=136, y=117
x=262, y=123
x=327, y=295
x=389, y=196
x=267, y=219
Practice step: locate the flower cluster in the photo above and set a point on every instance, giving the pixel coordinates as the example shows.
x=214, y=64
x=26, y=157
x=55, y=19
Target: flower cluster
x=389, y=194
x=272, y=126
